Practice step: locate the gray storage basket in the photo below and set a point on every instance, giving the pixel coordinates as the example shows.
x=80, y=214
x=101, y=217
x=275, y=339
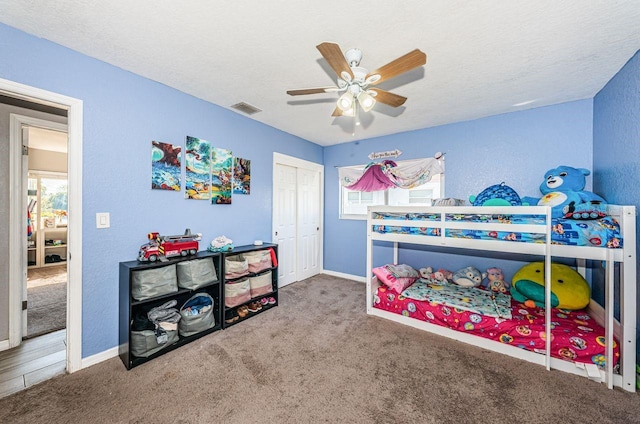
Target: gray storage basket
x=148, y=283
x=194, y=324
x=144, y=343
x=196, y=273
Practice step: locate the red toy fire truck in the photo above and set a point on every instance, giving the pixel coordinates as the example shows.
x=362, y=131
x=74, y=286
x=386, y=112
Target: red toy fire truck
x=162, y=247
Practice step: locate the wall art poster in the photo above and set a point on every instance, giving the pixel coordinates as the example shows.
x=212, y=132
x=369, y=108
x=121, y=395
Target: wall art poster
x=165, y=166
x=198, y=169
x=221, y=165
x=241, y=176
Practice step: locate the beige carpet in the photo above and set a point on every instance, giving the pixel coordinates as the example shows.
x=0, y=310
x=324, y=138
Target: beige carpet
x=318, y=358
x=47, y=300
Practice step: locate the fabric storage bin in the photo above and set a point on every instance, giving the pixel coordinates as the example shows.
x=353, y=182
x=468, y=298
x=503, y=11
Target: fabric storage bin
x=235, y=266
x=196, y=315
x=237, y=292
x=260, y=284
x=153, y=282
x=258, y=260
x=196, y=273
x=144, y=343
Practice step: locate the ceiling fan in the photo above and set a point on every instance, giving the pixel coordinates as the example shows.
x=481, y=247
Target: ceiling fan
x=357, y=82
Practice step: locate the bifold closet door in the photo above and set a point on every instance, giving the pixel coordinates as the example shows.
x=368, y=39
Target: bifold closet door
x=308, y=240
x=285, y=217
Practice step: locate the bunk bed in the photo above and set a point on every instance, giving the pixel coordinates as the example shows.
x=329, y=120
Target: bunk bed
x=525, y=230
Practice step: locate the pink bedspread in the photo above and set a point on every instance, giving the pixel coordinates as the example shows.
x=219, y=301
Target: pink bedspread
x=575, y=336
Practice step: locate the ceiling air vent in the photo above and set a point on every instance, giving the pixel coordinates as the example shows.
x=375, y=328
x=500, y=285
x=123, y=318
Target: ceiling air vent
x=246, y=108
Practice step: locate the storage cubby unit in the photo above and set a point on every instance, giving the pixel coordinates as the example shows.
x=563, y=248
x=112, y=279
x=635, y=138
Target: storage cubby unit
x=140, y=292
x=254, y=292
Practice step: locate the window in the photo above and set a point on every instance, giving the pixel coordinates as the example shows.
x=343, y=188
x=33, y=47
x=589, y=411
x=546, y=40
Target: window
x=353, y=204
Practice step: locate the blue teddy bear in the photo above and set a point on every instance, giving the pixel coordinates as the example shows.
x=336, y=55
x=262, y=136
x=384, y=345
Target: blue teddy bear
x=563, y=190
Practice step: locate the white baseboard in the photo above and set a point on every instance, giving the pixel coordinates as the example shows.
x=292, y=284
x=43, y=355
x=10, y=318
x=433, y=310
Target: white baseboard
x=347, y=276
x=99, y=357
x=4, y=345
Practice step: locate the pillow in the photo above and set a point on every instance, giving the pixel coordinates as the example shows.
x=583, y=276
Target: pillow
x=396, y=277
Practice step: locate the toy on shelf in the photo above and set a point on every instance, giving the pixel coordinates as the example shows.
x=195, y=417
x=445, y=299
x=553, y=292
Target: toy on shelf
x=563, y=190
x=221, y=244
x=163, y=247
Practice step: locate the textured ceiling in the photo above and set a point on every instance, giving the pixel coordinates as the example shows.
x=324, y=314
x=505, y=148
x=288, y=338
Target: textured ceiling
x=483, y=57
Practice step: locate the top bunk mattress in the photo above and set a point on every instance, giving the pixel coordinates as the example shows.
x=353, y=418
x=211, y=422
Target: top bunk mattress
x=602, y=232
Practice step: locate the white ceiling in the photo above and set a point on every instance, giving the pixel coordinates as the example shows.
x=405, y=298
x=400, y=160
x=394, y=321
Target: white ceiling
x=483, y=57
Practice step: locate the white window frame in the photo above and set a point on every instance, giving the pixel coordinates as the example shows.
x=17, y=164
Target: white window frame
x=343, y=192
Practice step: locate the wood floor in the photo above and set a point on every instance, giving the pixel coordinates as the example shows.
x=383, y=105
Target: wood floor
x=34, y=361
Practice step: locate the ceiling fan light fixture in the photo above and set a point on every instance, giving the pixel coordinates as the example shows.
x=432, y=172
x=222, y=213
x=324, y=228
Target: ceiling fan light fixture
x=345, y=102
x=366, y=101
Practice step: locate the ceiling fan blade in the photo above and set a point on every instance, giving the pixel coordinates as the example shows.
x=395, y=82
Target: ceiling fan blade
x=388, y=98
x=312, y=91
x=337, y=112
x=399, y=66
x=334, y=56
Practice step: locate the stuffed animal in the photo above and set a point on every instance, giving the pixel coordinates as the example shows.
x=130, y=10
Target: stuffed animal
x=495, y=281
x=468, y=277
x=441, y=276
x=568, y=289
x=563, y=190
x=496, y=195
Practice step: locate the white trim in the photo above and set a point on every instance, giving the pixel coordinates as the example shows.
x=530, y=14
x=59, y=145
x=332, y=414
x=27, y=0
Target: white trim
x=297, y=162
x=4, y=345
x=357, y=278
x=99, y=357
x=74, y=264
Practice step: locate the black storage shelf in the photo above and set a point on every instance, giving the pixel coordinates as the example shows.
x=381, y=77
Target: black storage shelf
x=230, y=312
x=129, y=306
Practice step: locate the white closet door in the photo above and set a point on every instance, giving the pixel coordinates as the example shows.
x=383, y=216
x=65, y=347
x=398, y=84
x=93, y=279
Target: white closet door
x=285, y=220
x=309, y=240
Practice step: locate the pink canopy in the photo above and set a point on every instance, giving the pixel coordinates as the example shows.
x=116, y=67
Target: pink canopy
x=389, y=174
x=374, y=178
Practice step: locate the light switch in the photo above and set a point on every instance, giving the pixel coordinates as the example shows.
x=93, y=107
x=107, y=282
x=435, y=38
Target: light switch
x=102, y=220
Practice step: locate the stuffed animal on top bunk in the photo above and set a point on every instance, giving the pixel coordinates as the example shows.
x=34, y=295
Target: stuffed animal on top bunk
x=468, y=277
x=563, y=190
x=569, y=290
x=497, y=195
x=495, y=281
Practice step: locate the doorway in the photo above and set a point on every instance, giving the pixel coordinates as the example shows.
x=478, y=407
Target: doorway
x=47, y=235
x=16, y=256
x=297, y=217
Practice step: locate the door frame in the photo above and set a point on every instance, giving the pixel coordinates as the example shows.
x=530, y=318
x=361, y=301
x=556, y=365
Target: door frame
x=17, y=241
x=282, y=159
x=17, y=124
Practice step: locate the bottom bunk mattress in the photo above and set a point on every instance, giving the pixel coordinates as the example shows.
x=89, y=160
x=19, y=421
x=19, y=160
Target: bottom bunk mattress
x=575, y=335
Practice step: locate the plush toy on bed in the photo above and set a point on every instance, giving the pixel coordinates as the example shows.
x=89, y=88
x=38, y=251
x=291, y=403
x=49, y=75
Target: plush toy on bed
x=563, y=190
x=569, y=290
x=468, y=277
x=441, y=276
x=496, y=195
x=495, y=281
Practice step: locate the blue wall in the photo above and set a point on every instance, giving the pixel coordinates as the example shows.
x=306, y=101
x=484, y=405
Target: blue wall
x=123, y=113
x=616, y=141
x=516, y=148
